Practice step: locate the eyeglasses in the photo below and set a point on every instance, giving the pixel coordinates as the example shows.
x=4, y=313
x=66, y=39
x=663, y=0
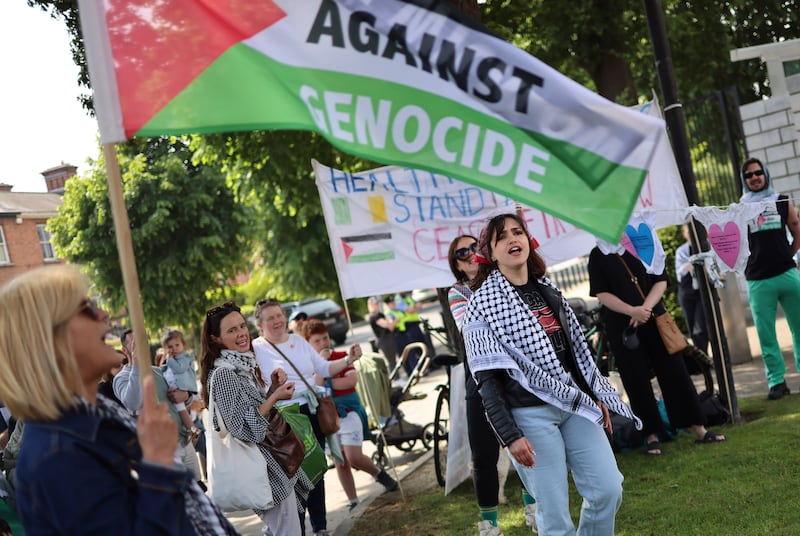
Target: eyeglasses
x=463, y=254
x=90, y=308
x=227, y=307
x=750, y=174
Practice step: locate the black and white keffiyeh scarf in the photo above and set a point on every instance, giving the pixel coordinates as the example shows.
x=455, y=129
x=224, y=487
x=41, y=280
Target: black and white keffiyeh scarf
x=500, y=332
x=205, y=517
x=243, y=362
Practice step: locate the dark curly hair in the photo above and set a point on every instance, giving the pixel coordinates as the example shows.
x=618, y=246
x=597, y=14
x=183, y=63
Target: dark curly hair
x=536, y=265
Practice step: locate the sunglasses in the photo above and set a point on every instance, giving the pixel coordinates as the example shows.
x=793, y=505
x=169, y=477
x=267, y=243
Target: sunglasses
x=90, y=308
x=463, y=254
x=750, y=174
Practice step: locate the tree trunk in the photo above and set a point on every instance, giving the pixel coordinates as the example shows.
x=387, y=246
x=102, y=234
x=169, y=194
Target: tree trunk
x=468, y=7
x=613, y=77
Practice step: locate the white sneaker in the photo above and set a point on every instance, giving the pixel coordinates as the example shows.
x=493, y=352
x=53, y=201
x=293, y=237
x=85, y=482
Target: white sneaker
x=485, y=528
x=530, y=517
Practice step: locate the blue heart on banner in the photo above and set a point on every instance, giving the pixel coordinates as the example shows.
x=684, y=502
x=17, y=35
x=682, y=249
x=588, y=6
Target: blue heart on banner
x=642, y=240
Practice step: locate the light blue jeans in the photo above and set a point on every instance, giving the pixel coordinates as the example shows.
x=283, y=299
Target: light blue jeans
x=564, y=440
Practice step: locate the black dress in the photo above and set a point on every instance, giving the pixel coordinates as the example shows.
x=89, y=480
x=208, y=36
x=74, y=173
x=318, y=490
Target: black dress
x=607, y=274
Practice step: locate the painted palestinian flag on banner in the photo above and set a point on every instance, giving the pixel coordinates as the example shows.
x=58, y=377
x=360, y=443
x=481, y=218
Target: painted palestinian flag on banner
x=405, y=83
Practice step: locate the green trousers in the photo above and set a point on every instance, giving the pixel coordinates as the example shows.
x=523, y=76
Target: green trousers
x=765, y=294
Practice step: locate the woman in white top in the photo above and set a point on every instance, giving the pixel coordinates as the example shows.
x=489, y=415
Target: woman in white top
x=271, y=323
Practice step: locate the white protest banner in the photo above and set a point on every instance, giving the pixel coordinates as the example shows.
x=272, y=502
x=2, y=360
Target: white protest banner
x=390, y=228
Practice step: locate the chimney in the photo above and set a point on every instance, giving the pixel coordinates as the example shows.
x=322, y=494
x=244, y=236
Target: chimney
x=5, y=187
x=57, y=176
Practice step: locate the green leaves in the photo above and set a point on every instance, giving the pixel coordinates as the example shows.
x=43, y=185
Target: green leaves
x=188, y=231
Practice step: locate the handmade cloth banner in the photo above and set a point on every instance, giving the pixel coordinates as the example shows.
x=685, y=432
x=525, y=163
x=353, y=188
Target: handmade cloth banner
x=391, y=81
x=389, y=228
x=727, y=232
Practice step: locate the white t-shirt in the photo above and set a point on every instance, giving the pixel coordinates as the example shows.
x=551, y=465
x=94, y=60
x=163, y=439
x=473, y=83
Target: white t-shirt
x=302, y=355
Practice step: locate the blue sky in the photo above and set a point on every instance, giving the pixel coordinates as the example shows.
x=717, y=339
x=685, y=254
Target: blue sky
x=42, y=121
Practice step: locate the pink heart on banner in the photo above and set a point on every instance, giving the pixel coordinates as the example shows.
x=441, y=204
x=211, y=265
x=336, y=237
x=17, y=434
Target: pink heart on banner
x=725, y=242
x=628, y=245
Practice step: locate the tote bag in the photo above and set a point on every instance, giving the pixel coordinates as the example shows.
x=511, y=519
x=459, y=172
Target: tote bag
x=237, y=471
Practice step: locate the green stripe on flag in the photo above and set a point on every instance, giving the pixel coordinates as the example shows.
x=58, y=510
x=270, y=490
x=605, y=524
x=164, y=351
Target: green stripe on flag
x=341, y=211
x=372, y=257
x=246, y=90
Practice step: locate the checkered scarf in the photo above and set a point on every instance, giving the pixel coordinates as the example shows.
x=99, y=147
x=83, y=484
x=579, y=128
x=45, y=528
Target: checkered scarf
x=500, y=332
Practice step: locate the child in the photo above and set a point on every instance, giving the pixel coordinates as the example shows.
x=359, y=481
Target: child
x=354, y=423
x=179, y=373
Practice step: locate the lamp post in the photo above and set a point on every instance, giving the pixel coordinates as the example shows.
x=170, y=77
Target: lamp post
x=674, y=117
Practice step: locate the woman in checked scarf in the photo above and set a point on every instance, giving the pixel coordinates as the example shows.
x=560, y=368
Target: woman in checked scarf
x=545, y=398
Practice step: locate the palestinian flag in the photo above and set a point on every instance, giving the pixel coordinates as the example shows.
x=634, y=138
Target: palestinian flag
x=368, y=247
x=406, y=83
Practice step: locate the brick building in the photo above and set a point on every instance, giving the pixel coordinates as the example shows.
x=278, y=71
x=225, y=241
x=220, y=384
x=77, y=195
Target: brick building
x=24, y=240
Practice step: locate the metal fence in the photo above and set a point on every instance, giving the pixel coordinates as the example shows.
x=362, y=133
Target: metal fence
x=717, y=146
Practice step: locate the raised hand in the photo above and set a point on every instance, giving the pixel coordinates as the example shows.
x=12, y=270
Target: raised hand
x=157, y=431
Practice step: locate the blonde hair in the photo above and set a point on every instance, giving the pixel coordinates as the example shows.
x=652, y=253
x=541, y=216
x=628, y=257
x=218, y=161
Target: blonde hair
x=39, y=374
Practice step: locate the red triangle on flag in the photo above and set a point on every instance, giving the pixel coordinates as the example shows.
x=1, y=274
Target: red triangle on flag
x=348, y=250
x=160, y=47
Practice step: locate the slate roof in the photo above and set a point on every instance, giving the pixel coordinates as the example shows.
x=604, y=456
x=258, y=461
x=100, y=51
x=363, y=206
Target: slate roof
x=29, y=202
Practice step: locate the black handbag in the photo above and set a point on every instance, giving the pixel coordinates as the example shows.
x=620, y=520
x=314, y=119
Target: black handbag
x=630, y=338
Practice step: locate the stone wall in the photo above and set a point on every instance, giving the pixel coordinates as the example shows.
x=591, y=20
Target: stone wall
x=772, y=134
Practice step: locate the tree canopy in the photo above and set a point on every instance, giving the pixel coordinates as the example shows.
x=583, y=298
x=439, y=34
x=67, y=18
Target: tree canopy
x=186, y=228
x=608, y=49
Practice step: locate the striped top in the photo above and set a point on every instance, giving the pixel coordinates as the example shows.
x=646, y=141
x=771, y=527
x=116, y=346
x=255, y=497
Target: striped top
x=458, y=297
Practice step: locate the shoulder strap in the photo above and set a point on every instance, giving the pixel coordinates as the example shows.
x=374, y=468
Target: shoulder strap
x=633, y=277
x=311, y=389
x=212, y=406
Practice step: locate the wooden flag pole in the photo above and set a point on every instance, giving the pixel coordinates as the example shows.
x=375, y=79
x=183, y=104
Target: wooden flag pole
x=127, y=262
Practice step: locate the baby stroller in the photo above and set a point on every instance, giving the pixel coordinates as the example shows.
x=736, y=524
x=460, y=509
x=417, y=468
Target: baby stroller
x=380, y=395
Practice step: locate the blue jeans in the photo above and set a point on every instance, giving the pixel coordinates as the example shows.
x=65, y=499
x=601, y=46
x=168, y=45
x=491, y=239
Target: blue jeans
x=564, y=440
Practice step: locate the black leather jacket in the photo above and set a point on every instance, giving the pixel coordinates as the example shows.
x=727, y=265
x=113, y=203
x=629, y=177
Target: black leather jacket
x=500, y=393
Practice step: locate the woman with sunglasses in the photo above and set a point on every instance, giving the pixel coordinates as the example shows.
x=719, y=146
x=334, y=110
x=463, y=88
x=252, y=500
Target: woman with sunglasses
x=87, y=467
x=543, y=394
x=228, y=369
x=482, y=442
x=277, y=348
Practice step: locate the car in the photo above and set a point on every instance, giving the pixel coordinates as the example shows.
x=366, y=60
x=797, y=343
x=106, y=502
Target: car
x=424, y=295
x=324, y=309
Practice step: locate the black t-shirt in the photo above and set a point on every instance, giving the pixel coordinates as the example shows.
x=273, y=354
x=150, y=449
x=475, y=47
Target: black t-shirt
x=548, y=319
x=770, y=252
x=377, y=330
x=607, y=274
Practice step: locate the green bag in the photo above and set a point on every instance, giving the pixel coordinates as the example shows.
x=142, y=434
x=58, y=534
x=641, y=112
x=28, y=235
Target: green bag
x=314, y=464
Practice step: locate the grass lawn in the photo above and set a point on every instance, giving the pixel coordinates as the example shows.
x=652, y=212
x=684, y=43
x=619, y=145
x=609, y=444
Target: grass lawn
x=745, y=486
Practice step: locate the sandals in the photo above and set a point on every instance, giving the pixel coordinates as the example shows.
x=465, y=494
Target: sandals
x=653, y=448
x=711, y=437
